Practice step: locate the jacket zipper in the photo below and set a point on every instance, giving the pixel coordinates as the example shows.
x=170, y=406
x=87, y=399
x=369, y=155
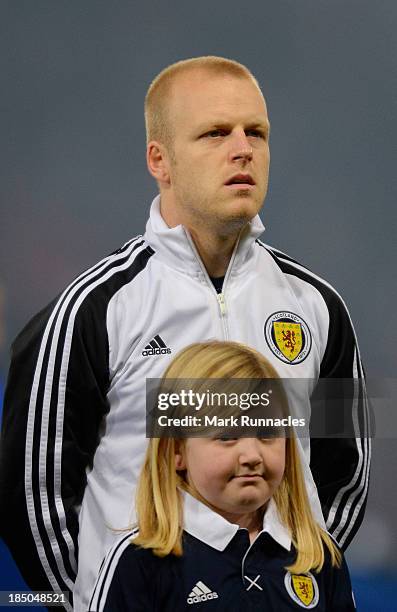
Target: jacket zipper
x=222, y=304
x=220, y=297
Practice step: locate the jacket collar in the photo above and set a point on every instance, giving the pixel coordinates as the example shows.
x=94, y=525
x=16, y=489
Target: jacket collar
x=176, y=246
x=212, y=529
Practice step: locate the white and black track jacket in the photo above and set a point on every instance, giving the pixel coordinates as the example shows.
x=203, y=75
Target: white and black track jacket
x=73, y=435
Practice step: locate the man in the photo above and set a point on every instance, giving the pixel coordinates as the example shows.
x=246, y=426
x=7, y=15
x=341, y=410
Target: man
x=74, y=426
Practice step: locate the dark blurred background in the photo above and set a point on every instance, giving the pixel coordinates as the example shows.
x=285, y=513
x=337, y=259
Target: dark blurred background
x=74, y=184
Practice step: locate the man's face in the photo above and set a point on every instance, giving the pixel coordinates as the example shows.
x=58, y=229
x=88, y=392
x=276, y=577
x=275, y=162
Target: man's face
x=219, y=157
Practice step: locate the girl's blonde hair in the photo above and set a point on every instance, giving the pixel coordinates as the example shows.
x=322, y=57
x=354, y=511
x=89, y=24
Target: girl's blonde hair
x=159, y=501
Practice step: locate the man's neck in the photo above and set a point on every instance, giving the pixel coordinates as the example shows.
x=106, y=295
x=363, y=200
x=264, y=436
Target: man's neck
x=215, y=251
x=214, y=245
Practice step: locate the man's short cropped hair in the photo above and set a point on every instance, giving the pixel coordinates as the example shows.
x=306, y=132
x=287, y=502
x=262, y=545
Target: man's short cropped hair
x=157, y=119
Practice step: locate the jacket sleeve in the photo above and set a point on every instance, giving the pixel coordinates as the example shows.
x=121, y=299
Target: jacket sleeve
x=340, y=464
x=54, y=403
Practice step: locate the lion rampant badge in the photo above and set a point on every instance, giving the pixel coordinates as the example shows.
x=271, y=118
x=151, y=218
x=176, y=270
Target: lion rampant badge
x=288, y=337
x=303, y=589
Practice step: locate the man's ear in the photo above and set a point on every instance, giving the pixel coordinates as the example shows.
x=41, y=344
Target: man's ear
x=157, y=161
x=180, y=461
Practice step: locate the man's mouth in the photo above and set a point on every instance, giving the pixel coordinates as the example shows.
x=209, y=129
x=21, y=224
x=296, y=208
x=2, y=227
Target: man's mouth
x=240, y=181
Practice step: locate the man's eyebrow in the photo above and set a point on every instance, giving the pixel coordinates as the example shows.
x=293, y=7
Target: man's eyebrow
x=227, y=125
x=263, y=125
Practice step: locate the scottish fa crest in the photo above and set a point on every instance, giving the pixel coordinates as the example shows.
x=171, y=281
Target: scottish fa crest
x=288, y=337
x=303, y=589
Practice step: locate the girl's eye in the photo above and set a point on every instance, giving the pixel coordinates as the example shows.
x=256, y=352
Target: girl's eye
x=270, y=440
x=221, y=437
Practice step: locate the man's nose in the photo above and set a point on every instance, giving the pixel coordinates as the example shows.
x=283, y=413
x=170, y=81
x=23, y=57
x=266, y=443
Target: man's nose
x=249, y=452
x=240, y=147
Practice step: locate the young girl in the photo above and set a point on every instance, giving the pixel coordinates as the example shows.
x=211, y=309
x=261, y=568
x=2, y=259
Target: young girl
x=224, y=523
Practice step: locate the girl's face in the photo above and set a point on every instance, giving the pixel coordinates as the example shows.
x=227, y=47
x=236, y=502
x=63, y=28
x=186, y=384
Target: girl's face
x=235, y=476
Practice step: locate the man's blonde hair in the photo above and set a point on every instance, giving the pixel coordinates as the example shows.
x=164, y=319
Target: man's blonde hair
x=159, y=501
x=157, y=117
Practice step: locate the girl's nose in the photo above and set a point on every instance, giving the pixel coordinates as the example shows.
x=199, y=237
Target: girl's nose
x=250, y=451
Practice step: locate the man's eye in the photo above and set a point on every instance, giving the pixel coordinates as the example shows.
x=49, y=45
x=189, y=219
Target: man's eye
x=256, y=133
x=215, y=133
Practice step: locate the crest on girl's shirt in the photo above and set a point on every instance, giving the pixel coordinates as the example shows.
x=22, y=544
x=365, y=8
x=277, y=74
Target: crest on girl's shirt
x=303, y=589
x=288, y=337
